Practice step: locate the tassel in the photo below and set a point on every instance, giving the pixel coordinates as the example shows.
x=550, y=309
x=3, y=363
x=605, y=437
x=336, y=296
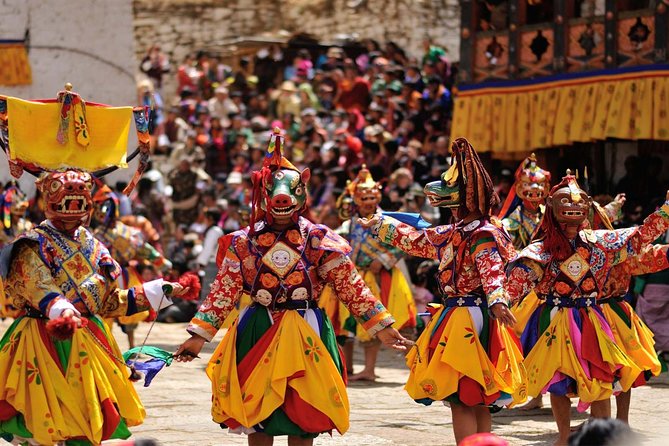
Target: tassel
x=63, y=328
x=192, y=282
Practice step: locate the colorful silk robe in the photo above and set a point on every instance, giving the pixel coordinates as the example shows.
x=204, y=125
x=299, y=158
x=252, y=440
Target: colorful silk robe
x=45, y=266
x=51, y=390
x=472, y=257
x=572, y=351
x=126, y=243
x=588, y=269
x=390, y=286
x=279, y=371
x=292, y=265
x=521, y=224
x=463, y=355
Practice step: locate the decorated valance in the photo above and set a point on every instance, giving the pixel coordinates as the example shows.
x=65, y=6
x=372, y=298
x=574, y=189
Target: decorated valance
x=518, y=116
x=14, y=63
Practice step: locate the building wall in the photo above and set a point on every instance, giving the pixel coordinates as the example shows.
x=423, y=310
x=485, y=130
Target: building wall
x=406, y=22
x=89, y=43
x=184, y=26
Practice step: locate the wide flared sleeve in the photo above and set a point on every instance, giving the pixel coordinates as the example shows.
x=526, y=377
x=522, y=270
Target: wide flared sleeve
x=340, y=273
x=223, y=296
x=523, y=275
x=415, y=242
x=491, y=268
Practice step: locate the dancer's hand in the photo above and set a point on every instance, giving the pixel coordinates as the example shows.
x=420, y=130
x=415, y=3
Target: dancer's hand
x=620, y=199
x=370, y=221
x=503, y=314
x=70, y=314
x=177, y=290
x=189, y=349
x=393, y=339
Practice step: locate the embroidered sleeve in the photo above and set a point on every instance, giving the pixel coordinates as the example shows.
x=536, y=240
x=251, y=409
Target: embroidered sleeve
x=636, y=239
x=522, y=277
x=340, y=273
x=120, y=302
x=490, y=267
x=223, y=296
x=30, y=282
x=652, y=259
x=415, y=242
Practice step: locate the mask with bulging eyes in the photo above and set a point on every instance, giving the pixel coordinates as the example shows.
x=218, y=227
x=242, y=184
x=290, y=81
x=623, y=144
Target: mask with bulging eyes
x=286, y=194
x=570, y=205
x=67, y=198
x=532, y=182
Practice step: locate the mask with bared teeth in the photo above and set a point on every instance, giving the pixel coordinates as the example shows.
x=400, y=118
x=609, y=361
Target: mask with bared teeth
x=67, y=198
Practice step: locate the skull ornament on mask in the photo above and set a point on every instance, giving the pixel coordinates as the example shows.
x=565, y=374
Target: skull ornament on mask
x=67, y=198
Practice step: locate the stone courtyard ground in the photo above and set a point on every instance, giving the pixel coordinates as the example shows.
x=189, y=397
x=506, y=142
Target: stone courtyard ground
x=178, y=407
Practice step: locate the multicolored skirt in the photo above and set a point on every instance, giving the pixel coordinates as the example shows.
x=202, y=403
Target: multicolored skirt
x=523, y=310
x=571, y=351
x=464, y=356
x=70, y=391
x=279, y=373
x=633, y=337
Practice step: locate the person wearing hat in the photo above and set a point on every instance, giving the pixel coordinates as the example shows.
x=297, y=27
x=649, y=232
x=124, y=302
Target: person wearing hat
x=379, y=265
x=278, y=370
x=467, y=357
x=288, y=100
x=62, y=377
x=221, y=106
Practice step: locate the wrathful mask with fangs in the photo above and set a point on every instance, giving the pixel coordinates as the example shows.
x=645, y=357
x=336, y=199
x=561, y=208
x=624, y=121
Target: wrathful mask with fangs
x=67, y=196
x=532, y=182
x=570, y=206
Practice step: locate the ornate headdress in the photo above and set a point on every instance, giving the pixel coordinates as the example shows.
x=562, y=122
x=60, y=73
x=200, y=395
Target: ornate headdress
x=362, y=185
x=278, y=178
x=465, y=185
x=555, y=242
x=531, y=186
x=77, y=141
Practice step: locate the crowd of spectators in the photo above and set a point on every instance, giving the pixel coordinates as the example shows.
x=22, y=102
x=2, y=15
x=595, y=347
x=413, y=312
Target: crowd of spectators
x=339, y=109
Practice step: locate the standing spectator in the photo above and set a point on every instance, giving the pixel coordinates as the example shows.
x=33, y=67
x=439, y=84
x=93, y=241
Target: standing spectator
x=206, y=260
x=185, y=195
x=155, y=64
x=354, y=91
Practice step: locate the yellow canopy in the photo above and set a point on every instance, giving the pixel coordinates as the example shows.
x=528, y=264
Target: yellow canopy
x=531, y=114
x=34, y=126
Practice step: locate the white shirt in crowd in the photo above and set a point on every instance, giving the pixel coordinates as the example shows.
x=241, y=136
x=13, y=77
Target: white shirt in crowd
x=209, y=245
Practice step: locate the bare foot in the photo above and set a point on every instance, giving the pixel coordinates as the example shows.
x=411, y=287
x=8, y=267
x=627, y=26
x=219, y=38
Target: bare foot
x=363, y=376
x=535, y=403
